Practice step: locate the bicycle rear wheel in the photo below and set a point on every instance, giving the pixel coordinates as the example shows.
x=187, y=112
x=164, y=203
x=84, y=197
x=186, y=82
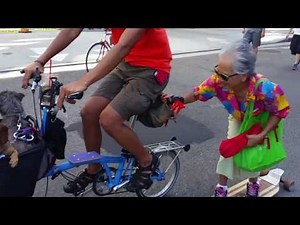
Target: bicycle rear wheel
x=95, y=53
x=165, y=177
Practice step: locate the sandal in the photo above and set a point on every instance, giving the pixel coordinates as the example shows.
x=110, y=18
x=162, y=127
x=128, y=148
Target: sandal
x=142, y=177
x=79, y=184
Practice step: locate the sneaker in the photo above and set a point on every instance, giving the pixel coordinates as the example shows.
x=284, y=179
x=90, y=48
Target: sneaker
x=141, y=179
x=79, y=184
x=252, y=189
x=220, y=192
x=294, y=66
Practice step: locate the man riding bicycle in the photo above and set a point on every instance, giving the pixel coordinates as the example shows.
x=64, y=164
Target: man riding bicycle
x=135, y=72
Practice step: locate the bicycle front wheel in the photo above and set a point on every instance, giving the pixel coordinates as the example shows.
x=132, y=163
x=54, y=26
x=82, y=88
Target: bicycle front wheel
x=95, y=53
x=165, y=177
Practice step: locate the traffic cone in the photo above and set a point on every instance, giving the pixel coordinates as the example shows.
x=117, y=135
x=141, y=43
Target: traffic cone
x=24, y=30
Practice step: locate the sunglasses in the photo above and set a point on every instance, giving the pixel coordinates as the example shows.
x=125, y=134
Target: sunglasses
x=224, y=76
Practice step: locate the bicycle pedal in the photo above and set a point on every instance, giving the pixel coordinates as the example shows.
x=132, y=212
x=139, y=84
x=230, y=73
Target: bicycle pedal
x=81, y=193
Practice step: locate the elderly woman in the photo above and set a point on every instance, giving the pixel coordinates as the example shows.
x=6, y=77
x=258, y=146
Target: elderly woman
x=233, y=83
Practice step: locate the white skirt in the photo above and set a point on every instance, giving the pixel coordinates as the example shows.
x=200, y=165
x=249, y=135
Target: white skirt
x=226, y=166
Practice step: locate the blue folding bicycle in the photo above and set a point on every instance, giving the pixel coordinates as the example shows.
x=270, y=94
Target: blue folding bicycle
x=118, y=169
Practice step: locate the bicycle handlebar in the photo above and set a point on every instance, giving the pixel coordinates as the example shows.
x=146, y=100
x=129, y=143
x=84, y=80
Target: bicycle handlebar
x=76, y=95
x=36, y=76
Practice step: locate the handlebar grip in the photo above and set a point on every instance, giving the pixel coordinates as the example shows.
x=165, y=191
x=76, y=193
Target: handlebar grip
x=36, y=75
x=76, y=95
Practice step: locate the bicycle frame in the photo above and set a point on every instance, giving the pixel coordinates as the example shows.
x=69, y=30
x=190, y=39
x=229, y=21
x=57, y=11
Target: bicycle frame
x=75, y=160
x=114, y=182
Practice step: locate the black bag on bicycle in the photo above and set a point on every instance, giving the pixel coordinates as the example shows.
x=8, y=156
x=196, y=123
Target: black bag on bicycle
x=21, y=180
x=56, y=137
x=157, y=115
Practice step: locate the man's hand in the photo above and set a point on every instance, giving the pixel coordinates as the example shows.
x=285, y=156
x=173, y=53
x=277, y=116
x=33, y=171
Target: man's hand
x=68, y=89
x=29, y=70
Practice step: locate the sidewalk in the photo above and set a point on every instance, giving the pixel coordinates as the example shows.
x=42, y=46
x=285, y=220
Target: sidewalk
x=275, y=35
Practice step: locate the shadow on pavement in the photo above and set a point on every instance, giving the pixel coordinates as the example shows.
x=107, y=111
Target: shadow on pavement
x=186, y=130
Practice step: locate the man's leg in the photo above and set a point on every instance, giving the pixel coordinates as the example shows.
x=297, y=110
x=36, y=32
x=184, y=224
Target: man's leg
x=135, y=98
x=90, y=113
x=297, y=59
x=112, y=122
x=92, y=138
x=91, y=128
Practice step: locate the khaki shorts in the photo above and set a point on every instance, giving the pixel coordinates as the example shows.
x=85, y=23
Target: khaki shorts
x=132, y=89
x=226, y=166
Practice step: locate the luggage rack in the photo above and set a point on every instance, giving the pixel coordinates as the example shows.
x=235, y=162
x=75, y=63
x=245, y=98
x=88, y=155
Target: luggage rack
x=171, y=145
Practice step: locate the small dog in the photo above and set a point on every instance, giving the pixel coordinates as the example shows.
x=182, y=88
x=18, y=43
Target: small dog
x=11, y=109
x=6, y=148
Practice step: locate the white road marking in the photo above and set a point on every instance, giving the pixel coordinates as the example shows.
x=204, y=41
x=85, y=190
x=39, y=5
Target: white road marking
x=17, y=44
x=2, y=48
x=195, y=54
x=38, y=51
x=33, y=39
x=217, y=40
x=14, y=74
x=59, y=57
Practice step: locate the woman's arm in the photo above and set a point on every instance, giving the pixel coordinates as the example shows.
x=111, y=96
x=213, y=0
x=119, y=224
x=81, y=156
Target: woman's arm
x=189, y=97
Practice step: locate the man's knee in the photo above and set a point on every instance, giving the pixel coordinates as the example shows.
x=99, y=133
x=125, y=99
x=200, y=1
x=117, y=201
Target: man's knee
x=86, y=112
x=93, y=107
x=90, y=112
x=108, y=122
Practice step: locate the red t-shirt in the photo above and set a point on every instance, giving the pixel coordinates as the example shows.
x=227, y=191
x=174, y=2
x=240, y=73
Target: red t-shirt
x=152, y=50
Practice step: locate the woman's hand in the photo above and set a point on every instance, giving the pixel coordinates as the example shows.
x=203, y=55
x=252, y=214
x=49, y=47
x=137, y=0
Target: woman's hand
x=255, y=139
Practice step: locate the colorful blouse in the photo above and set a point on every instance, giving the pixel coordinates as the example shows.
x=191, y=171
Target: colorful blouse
x=268, y=97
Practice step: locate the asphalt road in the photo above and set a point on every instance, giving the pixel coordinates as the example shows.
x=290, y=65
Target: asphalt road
x=203, y=125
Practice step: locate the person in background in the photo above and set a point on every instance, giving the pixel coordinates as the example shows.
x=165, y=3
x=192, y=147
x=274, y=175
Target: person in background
x=295, y=46
x=254, y=35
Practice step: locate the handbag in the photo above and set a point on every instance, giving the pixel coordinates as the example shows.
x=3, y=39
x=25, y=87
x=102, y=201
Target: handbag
x=157, y=115
x=262, y=156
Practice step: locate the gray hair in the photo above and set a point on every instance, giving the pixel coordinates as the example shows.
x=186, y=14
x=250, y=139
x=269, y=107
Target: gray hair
x=243, y=57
